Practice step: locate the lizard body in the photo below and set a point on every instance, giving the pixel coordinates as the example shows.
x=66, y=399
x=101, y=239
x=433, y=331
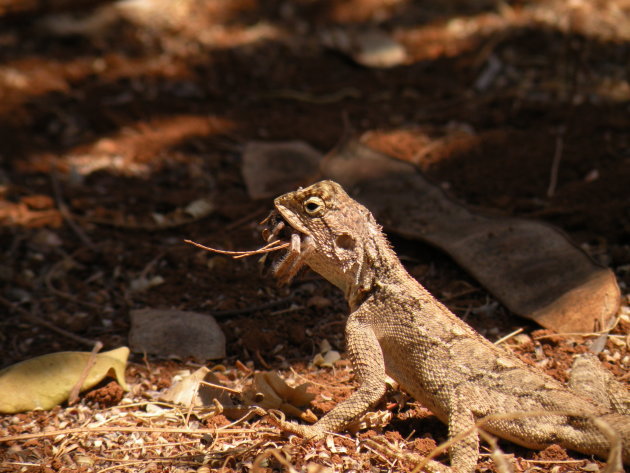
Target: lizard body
x=396, y=327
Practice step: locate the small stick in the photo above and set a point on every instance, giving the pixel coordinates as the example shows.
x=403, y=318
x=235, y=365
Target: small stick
x=67, y=215
x=218, y=386
x=555, y=165
x=44, y=323
x=273, y=246
x=74, y=394
x=48, y=277
x=508, y=336
x=117, y=429
x=245, y=219
x=249, y=310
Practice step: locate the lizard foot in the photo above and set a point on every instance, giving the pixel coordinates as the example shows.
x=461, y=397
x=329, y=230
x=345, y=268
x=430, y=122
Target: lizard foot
x=309, y=432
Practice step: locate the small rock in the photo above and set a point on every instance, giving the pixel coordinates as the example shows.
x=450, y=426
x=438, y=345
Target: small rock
x=170, y=332
x=270, y=169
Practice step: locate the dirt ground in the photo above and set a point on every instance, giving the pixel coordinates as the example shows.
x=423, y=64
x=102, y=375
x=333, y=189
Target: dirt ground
x=113, y=121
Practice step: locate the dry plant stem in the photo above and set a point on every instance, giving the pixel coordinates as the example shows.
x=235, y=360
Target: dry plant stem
x=218, y=386
x=262, y=360
x=500, y=459
x=246, y=219
x=337, y=96
x=74, y=394
x=614, y=463
x=67, y=215
x=273, y=246
x=151, y=264
x=149, y=445
x=51, y=287
x=249, y=310
x=144, y=462
x=508, y=336
x=88, y=430
x=555, y=165
x=256, y=411
x=191, y=406
x=44, y=323
x=277, y=453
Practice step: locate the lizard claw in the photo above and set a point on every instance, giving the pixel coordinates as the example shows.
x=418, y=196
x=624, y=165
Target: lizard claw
x=309, y=432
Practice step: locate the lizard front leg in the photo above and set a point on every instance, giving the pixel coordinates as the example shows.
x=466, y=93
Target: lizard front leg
x=463, y=453
x=369, y=367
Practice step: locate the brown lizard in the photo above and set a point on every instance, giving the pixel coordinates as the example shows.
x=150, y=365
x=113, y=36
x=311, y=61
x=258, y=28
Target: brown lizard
x=396, y=327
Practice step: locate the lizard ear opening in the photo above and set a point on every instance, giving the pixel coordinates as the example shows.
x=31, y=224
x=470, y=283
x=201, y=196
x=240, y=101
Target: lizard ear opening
x=345, y=241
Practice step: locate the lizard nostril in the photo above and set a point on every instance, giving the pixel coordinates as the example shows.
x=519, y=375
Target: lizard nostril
x=345, y=241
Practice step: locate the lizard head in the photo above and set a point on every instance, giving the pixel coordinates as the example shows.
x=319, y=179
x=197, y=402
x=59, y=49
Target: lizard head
x=333, y=229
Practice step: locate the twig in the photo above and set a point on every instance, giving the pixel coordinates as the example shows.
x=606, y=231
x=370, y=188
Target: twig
x=149, y=445
x=49, y=284
x=246, y=218
x=508, y=336
x=257, y=466
x=218, y=386
x=555, y=164
x=151, y=264
x=144, y=462
x=262, y=360
x=44, y=323
x=614, y=462
x=273, y=246
x=287, y=310
x=298, y=95
x=249, y=310
x=501, y=461
x=465, y=292
x=67, y=215
x=88, y=430
x=74, y=394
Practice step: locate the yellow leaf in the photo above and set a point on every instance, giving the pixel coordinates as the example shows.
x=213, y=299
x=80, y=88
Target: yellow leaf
x=45, y=381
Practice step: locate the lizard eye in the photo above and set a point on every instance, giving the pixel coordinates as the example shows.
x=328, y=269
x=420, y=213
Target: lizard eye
x=314, y=206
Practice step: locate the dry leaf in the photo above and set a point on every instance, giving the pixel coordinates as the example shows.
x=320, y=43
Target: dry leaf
x=191, y=390
x=269, y=391
x=371, y=420
x=46, y=381
x=326, y=356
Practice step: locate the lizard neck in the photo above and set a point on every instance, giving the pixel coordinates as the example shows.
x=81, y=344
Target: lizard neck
x=377, y=266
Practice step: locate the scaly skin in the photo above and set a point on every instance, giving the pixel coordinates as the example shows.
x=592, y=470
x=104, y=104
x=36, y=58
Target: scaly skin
x=397, y=328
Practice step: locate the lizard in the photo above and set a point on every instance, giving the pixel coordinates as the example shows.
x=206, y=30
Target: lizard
x=397, y=328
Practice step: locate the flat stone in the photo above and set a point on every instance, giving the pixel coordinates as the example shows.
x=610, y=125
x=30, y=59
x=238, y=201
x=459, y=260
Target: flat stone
x=182, y=334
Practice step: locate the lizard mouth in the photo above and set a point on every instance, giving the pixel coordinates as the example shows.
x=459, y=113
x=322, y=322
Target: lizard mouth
x=276, y=228
x=278, y=231
x=278, y=234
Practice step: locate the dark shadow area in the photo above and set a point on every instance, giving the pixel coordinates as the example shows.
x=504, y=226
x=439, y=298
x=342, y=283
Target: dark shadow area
x=121, y=135
x=141, y=119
